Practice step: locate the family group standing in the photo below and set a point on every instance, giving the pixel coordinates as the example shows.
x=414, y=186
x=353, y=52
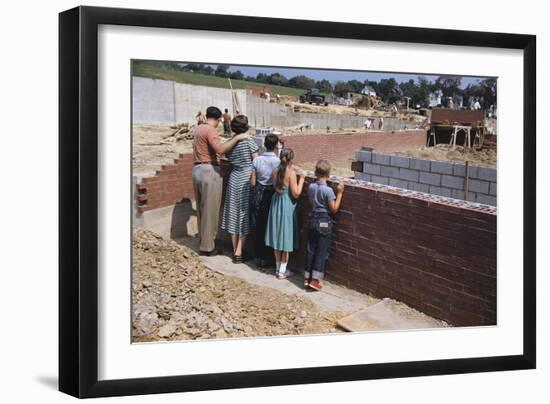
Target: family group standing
x=260, y=198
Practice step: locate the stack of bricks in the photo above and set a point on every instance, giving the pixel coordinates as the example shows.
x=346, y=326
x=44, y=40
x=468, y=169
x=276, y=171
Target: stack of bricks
x=436, y=254
x=170, y=185
x=313, y=147
x=441, y=178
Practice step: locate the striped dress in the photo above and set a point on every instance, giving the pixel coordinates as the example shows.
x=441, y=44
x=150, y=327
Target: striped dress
x=236, y=208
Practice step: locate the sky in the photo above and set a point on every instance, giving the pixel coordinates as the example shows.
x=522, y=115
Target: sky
x=337, y=75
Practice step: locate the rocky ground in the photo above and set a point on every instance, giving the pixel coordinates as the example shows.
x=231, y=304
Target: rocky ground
x=175, y=297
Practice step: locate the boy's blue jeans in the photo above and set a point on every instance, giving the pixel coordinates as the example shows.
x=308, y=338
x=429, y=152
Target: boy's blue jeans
x=319, y=233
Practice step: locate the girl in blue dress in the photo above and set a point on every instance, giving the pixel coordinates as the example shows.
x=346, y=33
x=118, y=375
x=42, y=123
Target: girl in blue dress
x=282, y=227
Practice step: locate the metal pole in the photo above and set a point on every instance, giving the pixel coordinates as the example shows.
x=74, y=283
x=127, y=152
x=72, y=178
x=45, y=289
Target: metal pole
x=466, y=179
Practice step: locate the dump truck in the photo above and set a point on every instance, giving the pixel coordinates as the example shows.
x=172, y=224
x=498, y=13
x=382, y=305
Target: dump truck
x=313, y=96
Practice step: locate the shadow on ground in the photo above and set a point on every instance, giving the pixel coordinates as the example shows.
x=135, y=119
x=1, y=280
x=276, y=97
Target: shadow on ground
x=49, y=381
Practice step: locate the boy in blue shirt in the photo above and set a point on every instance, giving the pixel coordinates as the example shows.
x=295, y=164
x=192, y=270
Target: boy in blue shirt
x=262, y=192
x=323, y=202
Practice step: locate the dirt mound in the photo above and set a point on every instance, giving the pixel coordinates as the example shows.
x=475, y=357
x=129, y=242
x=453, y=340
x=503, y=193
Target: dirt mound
x=175, y=297
x=483, y=157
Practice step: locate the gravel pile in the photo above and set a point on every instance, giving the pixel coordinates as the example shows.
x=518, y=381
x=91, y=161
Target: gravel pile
x=175, y=297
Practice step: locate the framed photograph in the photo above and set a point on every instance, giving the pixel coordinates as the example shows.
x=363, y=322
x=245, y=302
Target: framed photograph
x=250, y=201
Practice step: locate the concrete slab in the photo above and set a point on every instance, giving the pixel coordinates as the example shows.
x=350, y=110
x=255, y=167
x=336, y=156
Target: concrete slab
x=332, y=298
x=169, y=222
x=388, y=315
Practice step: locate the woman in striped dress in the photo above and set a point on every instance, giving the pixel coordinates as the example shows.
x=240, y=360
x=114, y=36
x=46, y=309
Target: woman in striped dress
x=236, y=209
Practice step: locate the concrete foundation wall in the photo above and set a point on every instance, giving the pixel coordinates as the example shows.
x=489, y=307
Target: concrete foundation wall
x=435, y=177
x=190, y=99
x=262, y=113
x=153, y=101
x=167, y=102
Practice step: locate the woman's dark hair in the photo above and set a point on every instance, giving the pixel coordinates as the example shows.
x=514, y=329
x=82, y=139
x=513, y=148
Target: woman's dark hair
x=270, y=141
x=213, y=112
x=239, y=124
x=287, y=155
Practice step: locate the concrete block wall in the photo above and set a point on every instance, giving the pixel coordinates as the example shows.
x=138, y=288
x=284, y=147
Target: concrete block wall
x=312, y=147
x=441, y=178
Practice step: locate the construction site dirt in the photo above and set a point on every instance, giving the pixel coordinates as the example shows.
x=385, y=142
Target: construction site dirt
x=156, y=145
x=483, y=157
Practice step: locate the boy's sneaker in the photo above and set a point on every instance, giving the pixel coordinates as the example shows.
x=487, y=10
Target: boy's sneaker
x=315, y=284
x=306, y=282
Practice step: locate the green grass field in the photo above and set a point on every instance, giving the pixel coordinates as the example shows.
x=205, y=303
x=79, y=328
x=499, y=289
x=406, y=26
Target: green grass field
x=165, y=73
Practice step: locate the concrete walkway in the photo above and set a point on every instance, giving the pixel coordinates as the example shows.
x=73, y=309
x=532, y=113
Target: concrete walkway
x=331, y=298
x=369, y=313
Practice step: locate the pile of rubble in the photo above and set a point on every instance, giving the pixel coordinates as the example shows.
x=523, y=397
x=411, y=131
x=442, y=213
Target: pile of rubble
x=182, y=132
x=175, y=297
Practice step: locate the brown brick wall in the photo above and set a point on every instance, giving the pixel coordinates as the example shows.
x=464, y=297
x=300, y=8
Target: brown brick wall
x=311, y=147
x=170, y=185
x=435, y=254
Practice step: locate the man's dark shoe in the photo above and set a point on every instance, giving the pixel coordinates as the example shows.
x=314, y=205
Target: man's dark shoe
x=212, y=253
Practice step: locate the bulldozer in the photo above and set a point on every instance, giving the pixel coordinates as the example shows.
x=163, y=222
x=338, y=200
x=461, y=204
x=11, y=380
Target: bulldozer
x=313, y=96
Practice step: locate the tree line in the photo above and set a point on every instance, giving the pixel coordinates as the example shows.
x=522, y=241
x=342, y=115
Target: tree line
x=389, y=90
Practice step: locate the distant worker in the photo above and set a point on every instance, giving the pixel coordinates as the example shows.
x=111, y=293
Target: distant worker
x=227, y=123
x=368, y=123
x=381, y=123
x=200, y=118
x=450, y=103
x=477, y=105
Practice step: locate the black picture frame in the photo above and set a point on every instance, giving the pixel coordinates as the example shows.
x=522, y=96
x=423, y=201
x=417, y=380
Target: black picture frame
x=78, y=201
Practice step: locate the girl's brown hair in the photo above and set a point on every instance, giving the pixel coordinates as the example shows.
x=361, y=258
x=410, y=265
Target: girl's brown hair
x=287, y=155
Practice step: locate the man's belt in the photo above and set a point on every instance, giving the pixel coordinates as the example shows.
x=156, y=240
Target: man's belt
x=205, y=162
